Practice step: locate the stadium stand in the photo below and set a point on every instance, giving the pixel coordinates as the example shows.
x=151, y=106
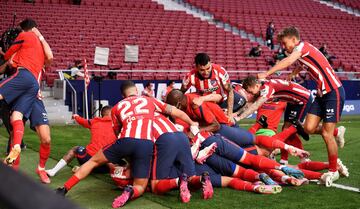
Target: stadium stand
x=355, y=4
x=331, y=25
x=168, y=40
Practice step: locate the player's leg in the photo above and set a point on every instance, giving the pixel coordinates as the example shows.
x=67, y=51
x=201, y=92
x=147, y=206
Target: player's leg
x=20, y=90
x=141, y=152
x=84, y=170
x=236, y=134
x=77, y=151
x=43, y=132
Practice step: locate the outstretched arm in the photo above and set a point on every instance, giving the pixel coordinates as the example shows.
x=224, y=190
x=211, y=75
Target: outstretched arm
x=252, y=108
x=284, y=63
x=208, y=98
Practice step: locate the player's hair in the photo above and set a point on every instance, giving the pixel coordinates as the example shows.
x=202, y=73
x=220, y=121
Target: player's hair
x=170, y=82
x=249, y=81
x=27, y=24
x=174, y=97
x=288, y=32
x=125, y=86
x=147, y=84
x=202, y=59
x=104, y=111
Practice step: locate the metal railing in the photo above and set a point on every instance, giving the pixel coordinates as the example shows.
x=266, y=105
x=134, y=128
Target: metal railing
x=73, y=97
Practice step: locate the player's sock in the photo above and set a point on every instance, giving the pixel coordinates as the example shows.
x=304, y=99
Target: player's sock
x=275, y=174
x=259, y=162
x=311, y=174
x=286, y=133
x=284, y=156
x=336, y=131
x=246, y=174
x=52, y=172
x=239, y=184
x=254, y=128
x=195, y=182
x=295, y=141
x=44, y=153
x=333, y=163
x=165, y=185
x=136, y=193
x=71, y=182
x=314, y=165
x=269, y=142
x=16, y=164
x=18, y=131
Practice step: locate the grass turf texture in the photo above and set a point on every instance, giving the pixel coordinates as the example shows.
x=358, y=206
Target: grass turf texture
x=98, y=192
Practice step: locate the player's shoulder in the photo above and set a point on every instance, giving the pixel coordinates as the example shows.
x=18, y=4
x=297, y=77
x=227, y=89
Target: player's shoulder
x=218, y=68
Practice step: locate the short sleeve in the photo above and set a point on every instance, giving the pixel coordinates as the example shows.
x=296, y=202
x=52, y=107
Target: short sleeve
x=266, y=91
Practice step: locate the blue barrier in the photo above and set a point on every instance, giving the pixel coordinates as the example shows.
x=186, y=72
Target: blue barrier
x=110, y=90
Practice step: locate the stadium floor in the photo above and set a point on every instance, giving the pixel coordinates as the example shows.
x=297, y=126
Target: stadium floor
x=97, y=191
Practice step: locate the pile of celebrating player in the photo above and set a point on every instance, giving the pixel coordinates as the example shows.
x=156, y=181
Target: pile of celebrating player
x=193, y=140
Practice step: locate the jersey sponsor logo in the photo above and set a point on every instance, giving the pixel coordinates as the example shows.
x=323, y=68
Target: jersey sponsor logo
x=210, y=89
x=330, y=110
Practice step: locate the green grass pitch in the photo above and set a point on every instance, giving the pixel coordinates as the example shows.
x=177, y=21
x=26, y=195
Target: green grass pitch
x=98, y=192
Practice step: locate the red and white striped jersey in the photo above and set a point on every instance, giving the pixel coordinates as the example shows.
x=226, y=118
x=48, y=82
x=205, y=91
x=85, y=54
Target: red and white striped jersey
x=318, y=67
x=162, y=125
x=218, y=79
x=134, y=116
x=286, y=91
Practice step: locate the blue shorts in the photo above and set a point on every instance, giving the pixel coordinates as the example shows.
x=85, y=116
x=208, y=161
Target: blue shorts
x=221, y=165
x=239, y=102
x=82, y=156
x=329, y=107
x=172, y=149
x=214, y=177
x=139, y=152
x=38, y=114
x=20, y=91
x=225, y=147
x=294, y=112
x=240, y=136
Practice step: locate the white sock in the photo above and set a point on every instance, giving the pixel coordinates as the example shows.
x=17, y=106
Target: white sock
x=62, y=163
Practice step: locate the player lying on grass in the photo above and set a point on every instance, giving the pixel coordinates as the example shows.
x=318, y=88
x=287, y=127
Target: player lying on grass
x=213, y=119
x=329, y=102
x=102, y=134
x=229, y=151
x=132, y=123
x=121, y=175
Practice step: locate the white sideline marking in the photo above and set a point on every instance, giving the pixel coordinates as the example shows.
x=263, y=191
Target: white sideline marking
x=340, y=186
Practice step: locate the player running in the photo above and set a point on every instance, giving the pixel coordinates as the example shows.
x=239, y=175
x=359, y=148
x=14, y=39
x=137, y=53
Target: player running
x=330, y=98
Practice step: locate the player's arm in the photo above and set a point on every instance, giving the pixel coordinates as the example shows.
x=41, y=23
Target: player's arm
x=116, y=125
x=207, y=98
x=284, y=63
x=179, y=114
x=230, y=99
x=82, y=121
x=46, y=47
x=3, y=67
x=186, y=83
x=296, y=71
x=252, y=108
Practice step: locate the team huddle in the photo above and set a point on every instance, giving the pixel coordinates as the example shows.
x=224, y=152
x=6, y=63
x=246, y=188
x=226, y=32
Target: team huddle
x=193, y=140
